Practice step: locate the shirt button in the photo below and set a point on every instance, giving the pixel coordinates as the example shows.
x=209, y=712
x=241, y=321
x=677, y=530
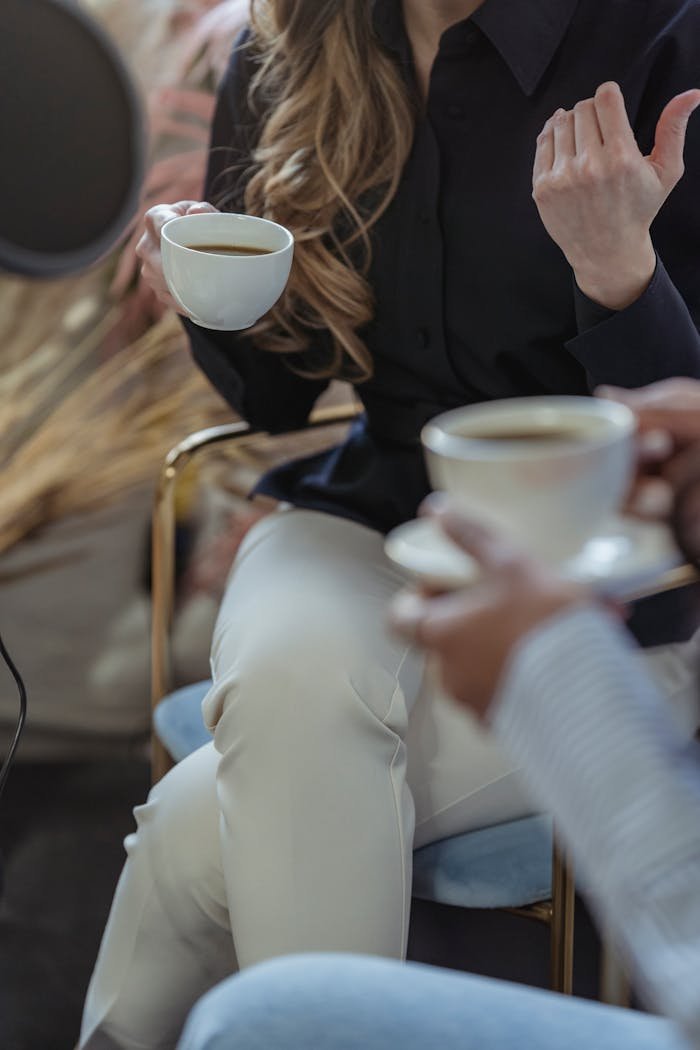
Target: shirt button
x=455, y=111
x=424, y=216
x=423, y=338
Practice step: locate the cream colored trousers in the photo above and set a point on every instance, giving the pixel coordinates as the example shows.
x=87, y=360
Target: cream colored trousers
x=294, y=830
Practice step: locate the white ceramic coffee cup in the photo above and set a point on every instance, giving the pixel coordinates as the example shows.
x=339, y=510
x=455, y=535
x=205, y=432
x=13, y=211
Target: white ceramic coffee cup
x=548, y=495
x=225, y=292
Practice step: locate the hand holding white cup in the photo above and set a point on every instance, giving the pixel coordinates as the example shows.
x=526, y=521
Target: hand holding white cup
x=223, y=270
x=545, y=472
x=148, y=247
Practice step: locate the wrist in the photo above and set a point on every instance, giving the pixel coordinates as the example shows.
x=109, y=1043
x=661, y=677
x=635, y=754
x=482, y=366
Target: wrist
x=568, y=601
x=545, y=598
x=554, y=597
x=618, y=282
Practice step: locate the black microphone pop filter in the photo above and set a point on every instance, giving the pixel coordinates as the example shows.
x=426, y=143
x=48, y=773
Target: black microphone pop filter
x=72, y=155
x=72, y=139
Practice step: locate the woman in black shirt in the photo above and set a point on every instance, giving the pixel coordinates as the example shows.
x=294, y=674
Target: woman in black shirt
x=397, y=140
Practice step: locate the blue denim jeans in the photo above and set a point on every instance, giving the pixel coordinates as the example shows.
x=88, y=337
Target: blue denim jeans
x=345, y=1002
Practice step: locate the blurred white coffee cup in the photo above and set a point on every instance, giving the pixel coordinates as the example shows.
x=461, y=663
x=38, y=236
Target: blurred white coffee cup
x=545, y=471
x=225, y=271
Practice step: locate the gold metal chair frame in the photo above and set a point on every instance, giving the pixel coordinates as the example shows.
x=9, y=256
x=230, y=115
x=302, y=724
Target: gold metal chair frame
x=558, y=912
x=239, y=437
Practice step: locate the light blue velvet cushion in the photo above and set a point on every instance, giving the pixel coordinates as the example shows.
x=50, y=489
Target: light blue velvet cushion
x=178, y=720
x=504, y=866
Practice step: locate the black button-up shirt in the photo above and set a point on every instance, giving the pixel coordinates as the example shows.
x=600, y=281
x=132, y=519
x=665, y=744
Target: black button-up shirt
x=474, y=301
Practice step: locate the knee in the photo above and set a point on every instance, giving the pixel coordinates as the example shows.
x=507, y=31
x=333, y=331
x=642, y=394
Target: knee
x=315, y=669
x=283, y=1004
x=178, y=826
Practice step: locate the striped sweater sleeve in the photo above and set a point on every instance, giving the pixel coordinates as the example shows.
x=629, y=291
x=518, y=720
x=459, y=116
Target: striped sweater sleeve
x=601, y=753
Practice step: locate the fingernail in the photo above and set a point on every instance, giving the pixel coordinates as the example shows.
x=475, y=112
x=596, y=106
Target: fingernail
x=435, y=503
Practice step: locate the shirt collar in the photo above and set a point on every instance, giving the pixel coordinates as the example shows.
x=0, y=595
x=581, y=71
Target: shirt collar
x=387, y=17
x=526, y=33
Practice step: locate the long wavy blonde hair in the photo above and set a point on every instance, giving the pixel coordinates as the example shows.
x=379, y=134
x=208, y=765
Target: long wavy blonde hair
x=337, y=127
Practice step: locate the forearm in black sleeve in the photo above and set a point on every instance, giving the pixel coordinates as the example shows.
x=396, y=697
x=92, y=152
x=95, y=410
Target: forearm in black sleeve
x=257, y=384
x=658, y=336
x=655, y=338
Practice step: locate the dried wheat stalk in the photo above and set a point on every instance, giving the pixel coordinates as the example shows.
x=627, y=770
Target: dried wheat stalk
x=108, y=435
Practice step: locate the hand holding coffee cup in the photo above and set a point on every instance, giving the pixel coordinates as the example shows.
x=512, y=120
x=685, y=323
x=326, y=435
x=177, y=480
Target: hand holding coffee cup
x=214, y=292
x=225, y=271
x=545, y=471
x=148, y=247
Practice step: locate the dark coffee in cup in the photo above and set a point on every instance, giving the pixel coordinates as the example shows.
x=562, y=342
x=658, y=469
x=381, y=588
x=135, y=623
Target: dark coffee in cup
x=229, y=249
x=561, y=435
x=539, y=434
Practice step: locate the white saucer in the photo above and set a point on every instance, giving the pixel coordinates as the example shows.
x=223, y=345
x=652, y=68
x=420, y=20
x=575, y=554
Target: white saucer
x=626, y=554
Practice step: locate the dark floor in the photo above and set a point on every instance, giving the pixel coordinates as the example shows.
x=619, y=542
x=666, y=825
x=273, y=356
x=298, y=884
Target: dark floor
x=61, y=831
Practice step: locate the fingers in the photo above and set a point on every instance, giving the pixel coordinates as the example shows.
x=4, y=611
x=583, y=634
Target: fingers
x=587, y=134
x=683, y=467
x=686, y=520
x=577, y=133
x=592, y=123
x=152, y=275
x=544, y=155
x=612, y=116
x=407, y=614
x=566, y=134
x=668, y=417
x=156, y=217
x=676, y=395
x=651, y=495
x=431, y=623
x=664, y=395
x=148, y=247
x=667, y=155
x=564, y=139
x=654, y=446
x=201, y=208
x=492, y=552
x=651, y=499
x=672, y=405
x=616, y=393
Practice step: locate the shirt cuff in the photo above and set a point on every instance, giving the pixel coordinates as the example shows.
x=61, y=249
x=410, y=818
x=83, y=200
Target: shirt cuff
x=654, y=338
x=598, y=748
x=588, y=312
